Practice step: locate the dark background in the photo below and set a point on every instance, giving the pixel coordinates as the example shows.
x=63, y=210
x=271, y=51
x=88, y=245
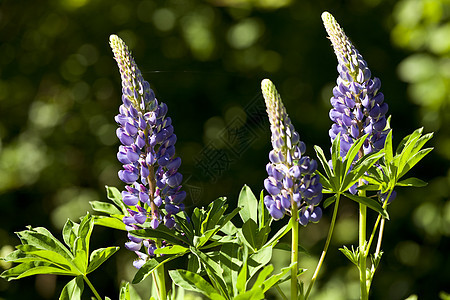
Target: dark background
x=60, y=90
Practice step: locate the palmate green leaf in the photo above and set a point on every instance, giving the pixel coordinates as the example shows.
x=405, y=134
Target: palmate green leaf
x=247, y=202
x=412, y=181
x=99, y=256
x=151, y=265
x=73, y=289
x=41, y=238
x=407, y=139
x=360, y=167
x=49, y=256
x=115, y=196
x=202, y=240
x=369, y=202
x=215, y=211
x=413, y=161
x=193, y=282
x=327, y=185
x=112, y=222
x=186, y=227
x=33, y=268
x=352, y=255
x=104, y=207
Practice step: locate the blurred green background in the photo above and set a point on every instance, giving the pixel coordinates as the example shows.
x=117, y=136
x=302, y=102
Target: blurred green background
x=60, y=90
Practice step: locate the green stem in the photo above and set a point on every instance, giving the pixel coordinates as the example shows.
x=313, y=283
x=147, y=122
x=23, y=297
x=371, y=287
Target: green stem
x=325, y=248
x=362, y=250
x=92, y=287
x=160, y=274
x=294, y=254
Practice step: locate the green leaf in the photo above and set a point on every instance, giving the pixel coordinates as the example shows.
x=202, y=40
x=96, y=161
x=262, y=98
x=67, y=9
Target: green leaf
x=70, y=231
x=280, y=233
x=193, y=282
x=46, y=255
x=412, y=181
x=275, y=279
x=262, y=276
x=230, y=263
x=104, y=207
x=336, y=156
x=111, y=222
x=175, y=249
x=413, y=161
x=41, y=238
x=249, y=231
x=263, y=213
x=407, y=139
x=323, y=160
x=161, y=232
x=353, y=152
x=73, y=289
x=369, y=202
x=33, y=268
x=81, y=256
x=258, y=260
x=241, y=282
x=248, y=204
x=115, y=196
x=151, y=265
x=360, y=167
x=329, y=201
x=352, y=255
x=99, y=256
x=213, y=269
x=255, y=293
x=389, y=152
x=85, y=232
x=128, y=292
x=215, y=212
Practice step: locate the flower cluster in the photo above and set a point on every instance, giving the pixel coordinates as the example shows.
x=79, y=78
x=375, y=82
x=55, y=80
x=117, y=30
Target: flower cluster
x=290, y=173
x=150, y=169
x=358, y=106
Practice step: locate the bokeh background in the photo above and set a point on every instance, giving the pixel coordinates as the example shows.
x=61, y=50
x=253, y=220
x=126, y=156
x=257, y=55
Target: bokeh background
x=60, y=90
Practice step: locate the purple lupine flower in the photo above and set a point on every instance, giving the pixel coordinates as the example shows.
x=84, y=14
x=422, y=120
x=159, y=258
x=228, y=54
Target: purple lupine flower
x=291, y=175
x=358, y=106
x=150, y=169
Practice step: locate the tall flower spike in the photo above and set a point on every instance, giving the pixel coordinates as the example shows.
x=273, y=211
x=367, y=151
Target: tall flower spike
x=290, y=173
x=150, y=169
x=358, y=106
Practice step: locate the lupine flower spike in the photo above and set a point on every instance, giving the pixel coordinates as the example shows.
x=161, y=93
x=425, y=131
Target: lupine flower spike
x=290, y=173
x=358, y=105
x=150, y=169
